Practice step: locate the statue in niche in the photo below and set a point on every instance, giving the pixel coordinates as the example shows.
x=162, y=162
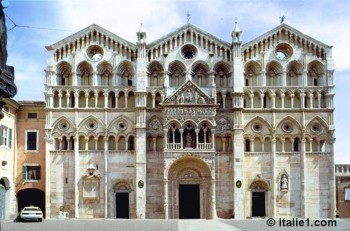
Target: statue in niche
x=284, y=183
x=189, y=141
x=182, y=98
x=189, y=97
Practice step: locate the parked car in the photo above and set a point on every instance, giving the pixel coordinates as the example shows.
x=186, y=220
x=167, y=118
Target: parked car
x=31, y=213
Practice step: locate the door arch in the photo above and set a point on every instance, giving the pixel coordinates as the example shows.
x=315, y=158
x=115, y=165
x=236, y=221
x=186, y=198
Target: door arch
x=31, y=197
x=259, y=198
x=190, y=177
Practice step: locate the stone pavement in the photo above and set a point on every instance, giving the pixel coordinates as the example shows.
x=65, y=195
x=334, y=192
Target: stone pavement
x=159, y=225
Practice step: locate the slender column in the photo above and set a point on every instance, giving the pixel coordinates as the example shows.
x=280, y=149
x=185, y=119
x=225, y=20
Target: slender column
x=251, y=100
x=274, y=186
x=303, y=177
x=262, y=100
x=106, y=99
x=96, y=99
x=76, y=175
x=60, y=100
x=166, y=138
x=96, y=143
x=319, y=100
x=68, y=100
x=86, y=100
x=76, y=103
x=197, y=131
x=166, y=211
x=153, y=100
x=311, y=97
x=282, y=99
x=212, y=139
x=252, y=145
x=213, y=196
x=224, y=101
x=86, y=143
x=273, y=98
x=292, y=100
x=181, y=138
x=302, y=98
x=106, y=174
x=282, y=141
x=126, y=100
x=60, y=143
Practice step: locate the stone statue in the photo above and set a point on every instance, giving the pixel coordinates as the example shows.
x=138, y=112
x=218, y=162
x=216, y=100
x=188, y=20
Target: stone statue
x=189, y=141
x=189, y=97
x=8, y=88
x=182, y=98
x=284, y=183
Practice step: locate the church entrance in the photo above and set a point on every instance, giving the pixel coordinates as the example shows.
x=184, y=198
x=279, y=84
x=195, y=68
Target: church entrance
x=189, y=190
x=189, y=201
x=258, y=204
x=122, y=205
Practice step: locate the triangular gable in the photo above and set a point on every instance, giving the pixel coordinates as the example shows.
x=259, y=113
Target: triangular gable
x=183, y=30
x=86, y=31
x=285, y=30
x=189, y=94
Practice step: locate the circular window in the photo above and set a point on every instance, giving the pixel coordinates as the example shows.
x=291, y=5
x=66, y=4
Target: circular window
x=316, y=127
x=95, y=53
x=122, y=125
x=4, y=163
x=287, y=127
x=257, y=127
x=91, y=125
x=188, y=51
x=63, y=126
x=283, y=51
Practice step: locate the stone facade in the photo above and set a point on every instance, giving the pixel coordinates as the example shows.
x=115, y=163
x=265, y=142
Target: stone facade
x=342, y=178
x=246, y=128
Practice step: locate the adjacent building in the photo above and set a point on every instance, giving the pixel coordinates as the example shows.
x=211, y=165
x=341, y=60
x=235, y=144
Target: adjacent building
x=189, y=125
x=30, y=178
x=342, y=177
x=8, y=127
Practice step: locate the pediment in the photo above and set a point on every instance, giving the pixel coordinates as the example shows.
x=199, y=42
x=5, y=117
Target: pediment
x=189, y=94
x=89, y=31
x=188, y=28
x=284, y=33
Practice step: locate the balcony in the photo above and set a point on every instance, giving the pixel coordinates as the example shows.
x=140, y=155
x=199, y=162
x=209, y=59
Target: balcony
x=199, y=147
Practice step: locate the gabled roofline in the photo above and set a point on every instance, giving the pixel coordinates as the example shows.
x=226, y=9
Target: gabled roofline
x=87, y=29
x=189, y=25
x=287, y=27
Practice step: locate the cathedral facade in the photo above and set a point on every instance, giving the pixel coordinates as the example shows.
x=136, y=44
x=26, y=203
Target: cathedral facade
x=189, y=126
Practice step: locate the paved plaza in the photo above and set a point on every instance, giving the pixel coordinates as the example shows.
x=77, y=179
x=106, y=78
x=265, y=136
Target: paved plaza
x=159, y=225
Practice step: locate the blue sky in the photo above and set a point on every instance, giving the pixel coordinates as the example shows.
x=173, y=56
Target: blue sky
x=327, y=21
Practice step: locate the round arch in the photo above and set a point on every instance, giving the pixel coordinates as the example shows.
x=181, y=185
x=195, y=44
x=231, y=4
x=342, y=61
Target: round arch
x=31, y=197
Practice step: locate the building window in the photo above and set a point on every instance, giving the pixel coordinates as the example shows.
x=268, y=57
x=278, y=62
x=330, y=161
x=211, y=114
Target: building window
x=32, y=140
x=32, y=115
x=31, y=172
x=5, y=136
x=347, y=194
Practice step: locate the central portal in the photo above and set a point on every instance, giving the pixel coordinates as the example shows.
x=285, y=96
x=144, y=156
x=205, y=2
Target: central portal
x=189, y=202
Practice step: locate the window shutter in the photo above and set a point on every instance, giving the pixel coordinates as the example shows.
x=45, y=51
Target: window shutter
x=1, y=129
x=10, y=138
x=24, y=172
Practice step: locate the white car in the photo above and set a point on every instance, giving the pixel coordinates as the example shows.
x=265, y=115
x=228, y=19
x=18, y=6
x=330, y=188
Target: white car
x=31, y=213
